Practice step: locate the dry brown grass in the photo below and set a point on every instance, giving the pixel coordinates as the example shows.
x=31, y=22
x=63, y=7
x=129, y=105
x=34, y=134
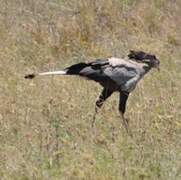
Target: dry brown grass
x=45, y=123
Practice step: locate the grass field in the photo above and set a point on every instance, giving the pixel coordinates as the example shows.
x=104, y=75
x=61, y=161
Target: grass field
x=45, y=124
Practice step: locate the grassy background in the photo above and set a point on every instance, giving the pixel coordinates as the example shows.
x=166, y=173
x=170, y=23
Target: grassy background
x=45, y=123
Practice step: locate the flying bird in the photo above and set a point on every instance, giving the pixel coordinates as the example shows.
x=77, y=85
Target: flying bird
x=114, y=75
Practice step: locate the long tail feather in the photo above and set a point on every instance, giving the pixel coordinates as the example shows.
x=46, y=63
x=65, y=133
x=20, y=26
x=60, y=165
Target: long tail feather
x=72, y=70
x=52, y=73
x=31, y=76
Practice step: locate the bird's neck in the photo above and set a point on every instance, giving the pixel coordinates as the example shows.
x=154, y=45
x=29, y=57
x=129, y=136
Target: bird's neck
x=146, y=67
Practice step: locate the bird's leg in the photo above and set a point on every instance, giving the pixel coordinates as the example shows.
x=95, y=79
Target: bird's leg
x=94, y=116
x=122, y=109
x=98, y=105
x=126, y=125
x=103, y=96
x=125, y=122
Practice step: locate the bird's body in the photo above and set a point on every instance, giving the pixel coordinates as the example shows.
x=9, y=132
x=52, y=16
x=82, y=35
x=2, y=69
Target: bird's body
x=114, y=74
x=120, y=74
x=125, y=73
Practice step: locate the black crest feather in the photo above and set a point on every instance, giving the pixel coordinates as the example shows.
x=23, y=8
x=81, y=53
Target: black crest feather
x=138, y=55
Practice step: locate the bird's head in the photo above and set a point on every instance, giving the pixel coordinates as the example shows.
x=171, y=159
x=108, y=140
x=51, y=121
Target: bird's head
x=142, y=57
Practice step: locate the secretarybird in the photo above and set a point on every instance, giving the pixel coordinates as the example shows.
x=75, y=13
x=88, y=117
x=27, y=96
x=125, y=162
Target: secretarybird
x=114, y=74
